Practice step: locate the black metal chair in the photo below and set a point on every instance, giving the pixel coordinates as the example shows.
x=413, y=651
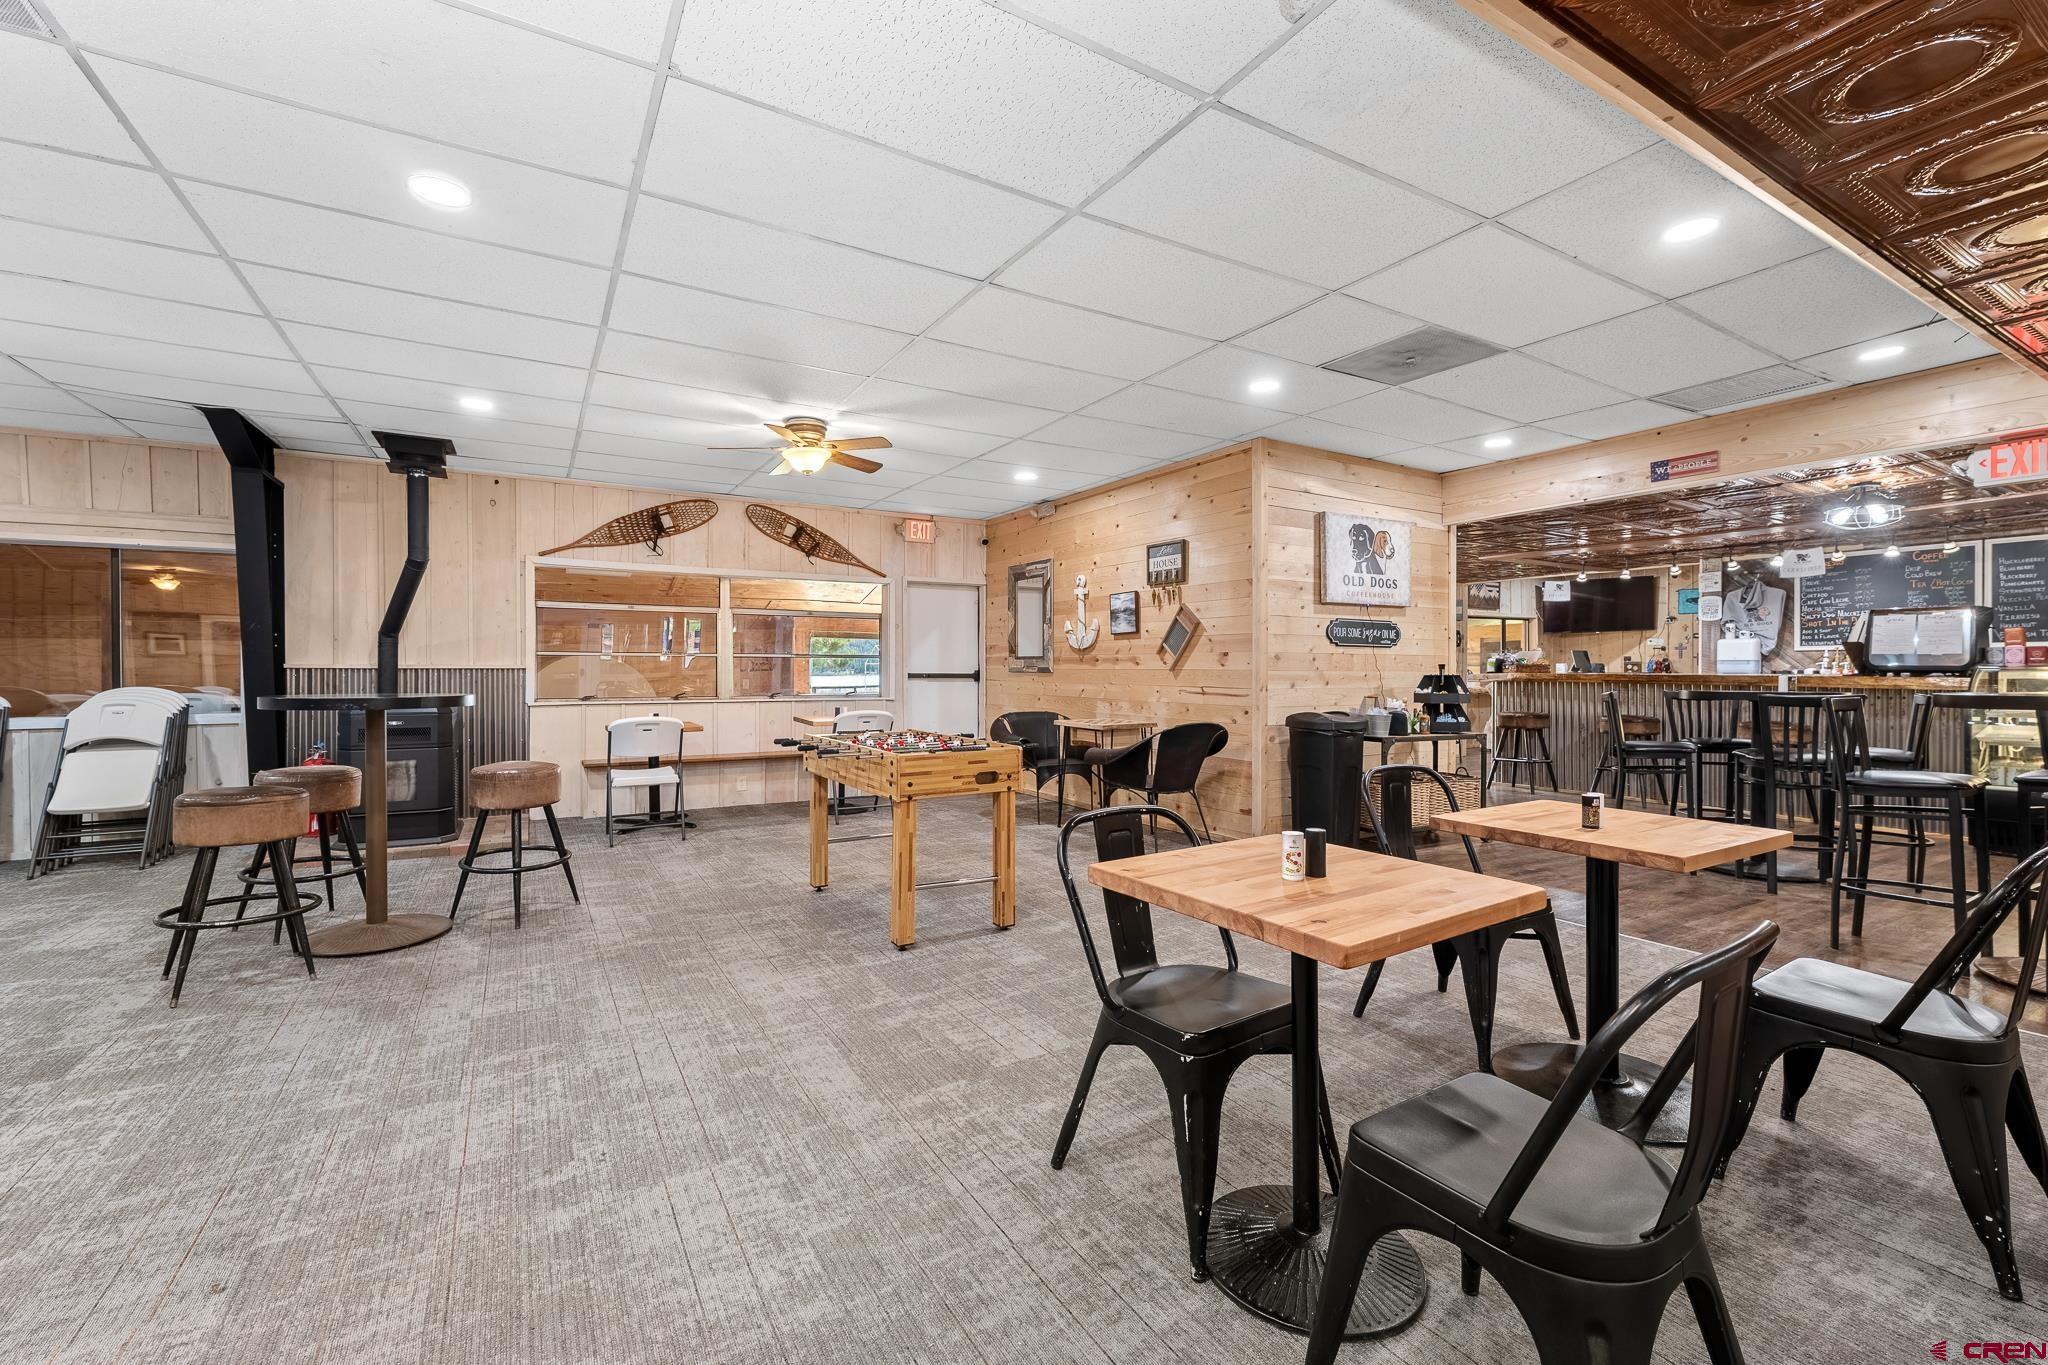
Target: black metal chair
x=1791, y=757
x=1960, y=1056
x=1677, y=759
x=1587, y=1230
x=1481, y=968
x=1716, y=724
x=1196, y=1023
x=1044, y=758
x=1168, y=763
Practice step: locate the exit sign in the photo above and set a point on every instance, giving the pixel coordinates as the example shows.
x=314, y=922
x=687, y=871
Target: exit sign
x=920, y=531
x=2016, y=461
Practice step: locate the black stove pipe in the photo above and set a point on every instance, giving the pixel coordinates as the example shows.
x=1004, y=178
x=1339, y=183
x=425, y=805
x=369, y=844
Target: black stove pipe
x=409, y=576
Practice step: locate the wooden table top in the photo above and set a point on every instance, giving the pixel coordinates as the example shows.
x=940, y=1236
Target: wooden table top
x=814, y=720
x=1370, y=906
x=1641, y=838
x=1102, y=723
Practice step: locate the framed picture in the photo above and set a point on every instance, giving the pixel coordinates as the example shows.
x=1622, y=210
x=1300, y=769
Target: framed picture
x=1688, y=601
x=1364, y=561
x=1482, y=597
x=1180, y=633
x=1123, y=613
x=1166, y=563
x=165, y=644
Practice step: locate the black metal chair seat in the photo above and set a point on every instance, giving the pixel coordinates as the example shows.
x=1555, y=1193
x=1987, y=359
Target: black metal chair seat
x=1722, y=744
x=1852, y=1000
x=1918, y=779
x=1201, y=1009
x=1890, y=757
x=1599, y=1188
x=1664, y=747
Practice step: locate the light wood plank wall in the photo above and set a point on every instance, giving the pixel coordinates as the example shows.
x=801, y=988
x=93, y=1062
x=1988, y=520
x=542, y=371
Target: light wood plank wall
x=90, y=491
x=345, y=540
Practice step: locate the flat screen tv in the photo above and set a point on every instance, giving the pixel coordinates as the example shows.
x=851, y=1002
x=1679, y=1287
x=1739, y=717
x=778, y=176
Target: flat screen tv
x=1604, y=604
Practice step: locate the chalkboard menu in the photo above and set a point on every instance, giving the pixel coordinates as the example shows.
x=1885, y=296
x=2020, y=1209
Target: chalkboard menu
x=2019, y=586
x=1830, y=604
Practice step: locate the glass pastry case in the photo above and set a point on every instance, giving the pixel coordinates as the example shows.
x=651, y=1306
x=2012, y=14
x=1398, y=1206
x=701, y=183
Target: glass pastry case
x=2002, y=745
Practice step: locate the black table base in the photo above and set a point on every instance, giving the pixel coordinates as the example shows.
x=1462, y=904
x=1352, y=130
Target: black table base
x=1262, y=1263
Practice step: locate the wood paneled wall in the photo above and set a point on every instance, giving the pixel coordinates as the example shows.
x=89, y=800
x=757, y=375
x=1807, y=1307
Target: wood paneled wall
x=83, y=491
x=1103, y=534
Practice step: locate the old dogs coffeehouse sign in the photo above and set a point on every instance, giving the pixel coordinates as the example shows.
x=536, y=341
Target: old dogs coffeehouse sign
x=1364, y=561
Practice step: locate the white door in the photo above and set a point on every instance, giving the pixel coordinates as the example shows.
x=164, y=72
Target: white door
x=942, y=658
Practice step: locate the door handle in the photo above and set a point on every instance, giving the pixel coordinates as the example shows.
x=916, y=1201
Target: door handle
x=945, y=677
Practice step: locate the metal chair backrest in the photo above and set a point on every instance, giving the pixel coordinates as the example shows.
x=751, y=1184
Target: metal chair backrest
x=1918, y=725
x=1706, y=715
x=1032, y=731
x=1848, y=736
x=1120, y=833
x=1711, y=1053
x=1403, y=844
x=1610, y=707
x=860, y=722
x=643, y=737
x=1791, y=729
x=1952, y=963
x=1183, y=749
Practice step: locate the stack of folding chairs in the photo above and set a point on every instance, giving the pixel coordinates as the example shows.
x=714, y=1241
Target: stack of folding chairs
x=122, y=763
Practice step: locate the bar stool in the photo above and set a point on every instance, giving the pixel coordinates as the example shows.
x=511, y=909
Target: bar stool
x=1633, y=750
x=1524, y=742
x=332, y=791
x=1717, y=724
x=215, y=818
x=1793, y=753
x=2033, y=792
x=513, y=788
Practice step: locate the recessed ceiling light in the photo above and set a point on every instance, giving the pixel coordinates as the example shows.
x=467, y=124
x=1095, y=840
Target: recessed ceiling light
x=1263, y=386
x=1026, y=476
x=438, y=191
x=1691, y=230
x=1877, y=353
x=1498, y=442
x=472, y=402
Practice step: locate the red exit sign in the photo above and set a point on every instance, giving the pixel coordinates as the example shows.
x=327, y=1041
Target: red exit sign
x=920, y=531
x=2020, y=460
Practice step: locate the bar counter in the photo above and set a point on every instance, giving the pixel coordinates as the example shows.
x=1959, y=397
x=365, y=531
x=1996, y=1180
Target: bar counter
x=1572, y=701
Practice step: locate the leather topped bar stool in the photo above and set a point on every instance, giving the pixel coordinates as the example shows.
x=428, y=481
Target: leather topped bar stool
x=332, y=791
x=1524, y=743
x=513, y=788
x=215, y=818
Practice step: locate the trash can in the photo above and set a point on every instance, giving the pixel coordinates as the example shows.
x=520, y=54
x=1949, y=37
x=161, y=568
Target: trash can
x=1325, y=762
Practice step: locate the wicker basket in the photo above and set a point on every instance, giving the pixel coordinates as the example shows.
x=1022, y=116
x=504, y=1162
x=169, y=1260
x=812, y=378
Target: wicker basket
x=1427, y=799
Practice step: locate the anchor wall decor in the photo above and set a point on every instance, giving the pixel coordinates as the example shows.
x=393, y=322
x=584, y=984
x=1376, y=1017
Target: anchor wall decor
x=1080, y=637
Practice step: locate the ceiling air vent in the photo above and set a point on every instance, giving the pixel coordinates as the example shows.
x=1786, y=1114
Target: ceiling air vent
x=1415, y=355
x=16, y=14
x=1738, y=389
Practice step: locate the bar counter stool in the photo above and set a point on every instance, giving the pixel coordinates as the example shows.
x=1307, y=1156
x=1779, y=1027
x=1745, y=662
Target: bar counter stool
x=513, y=788
x=215, y=818
x=1793, y=754
x=1524, y=743
x=1717, y=724
x=332, y=791
x=1633, y=750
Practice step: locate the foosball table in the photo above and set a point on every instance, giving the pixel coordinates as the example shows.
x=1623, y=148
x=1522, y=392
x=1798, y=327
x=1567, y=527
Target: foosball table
x=905, y=767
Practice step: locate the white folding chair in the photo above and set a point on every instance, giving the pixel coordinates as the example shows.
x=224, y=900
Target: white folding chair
x=177, y=747
x=647, y=740
x=857, y=723
x=111, y=791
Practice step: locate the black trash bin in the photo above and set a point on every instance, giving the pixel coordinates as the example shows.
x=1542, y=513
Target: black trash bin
x=1325, y=764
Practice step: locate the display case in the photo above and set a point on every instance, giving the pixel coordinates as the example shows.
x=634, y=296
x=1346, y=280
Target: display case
x=2002, y=745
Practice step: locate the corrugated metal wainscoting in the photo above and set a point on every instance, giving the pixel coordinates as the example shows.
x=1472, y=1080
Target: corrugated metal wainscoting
x=492, y=730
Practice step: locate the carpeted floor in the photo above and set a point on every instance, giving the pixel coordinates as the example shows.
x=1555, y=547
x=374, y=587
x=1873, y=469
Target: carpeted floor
x=709, y=1116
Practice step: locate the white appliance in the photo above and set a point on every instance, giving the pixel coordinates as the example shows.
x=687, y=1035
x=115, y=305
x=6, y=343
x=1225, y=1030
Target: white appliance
x=1739, y=656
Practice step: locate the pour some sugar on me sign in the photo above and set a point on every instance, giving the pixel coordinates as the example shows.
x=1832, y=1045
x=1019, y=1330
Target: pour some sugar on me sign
x=1364, y=561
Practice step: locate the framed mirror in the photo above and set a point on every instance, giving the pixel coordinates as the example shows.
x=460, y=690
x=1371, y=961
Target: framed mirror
x=1031, y=617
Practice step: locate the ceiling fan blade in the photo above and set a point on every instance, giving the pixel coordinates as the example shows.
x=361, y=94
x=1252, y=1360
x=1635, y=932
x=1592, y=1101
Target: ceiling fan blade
x=865, y=466
x=784, y=432
x=862, y=443
x=762, y=449
x=781, y=467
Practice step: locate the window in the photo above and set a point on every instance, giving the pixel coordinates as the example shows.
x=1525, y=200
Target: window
x=78, y=620
x=603, y=634
x=1498, y=635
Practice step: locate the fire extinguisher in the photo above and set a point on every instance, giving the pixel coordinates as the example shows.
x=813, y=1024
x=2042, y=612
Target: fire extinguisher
x=318, y=758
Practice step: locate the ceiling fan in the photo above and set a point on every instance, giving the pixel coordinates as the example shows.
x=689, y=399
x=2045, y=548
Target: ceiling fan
x=808, y=451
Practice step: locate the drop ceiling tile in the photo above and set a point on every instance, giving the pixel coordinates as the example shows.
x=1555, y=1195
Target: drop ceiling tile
x=1176, y=411
x=201, y=131
x=433, y=70
x=833, y=484
x=1215, y=182
x=1619, y=419
x=32, y=342
x=322, y=242
x=739, y=158
x=1334, y=326
x=1202, y=42
x=632, y=27
x=954, y=81
x=628, y=452
x=1492, y=284
x=1025, y=325
x=1816, y=303
x=1097, y=464
x=885, y=398
x=508, y=452
x=681, y=475
x=284, y=429
x=1938, y=343
x=166, y=431
x=43, y=398
x=68, y=191
x=950, y=504
x=1517, y=387
x=709, y=251
x=941, y=442
x=981, y=479
x=1098, y=266
x=455, y=426
x=1614, y=220
x=86, y=380
x=1654, y=351
x=354, y=448
x=430, y=396
x=1437, y=98
x=70, y=423
x=961, y=369
x=738, y=411
x=338, y=304
x=914, y=464
x=46, y=99
x=1432, y=459
x=701, y=367
x=62, y=304
x=444, y=365
x=674, y=430
x=658, y=309
x=1121, y=438
x=545, y=467
x=1312, y=431
x=149, y=410
x=152, y=271
x=1228, y=372
x=1413, y=416
x=1521, y=441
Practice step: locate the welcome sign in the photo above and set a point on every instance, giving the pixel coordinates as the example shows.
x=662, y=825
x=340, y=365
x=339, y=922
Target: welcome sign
x=1365, y=561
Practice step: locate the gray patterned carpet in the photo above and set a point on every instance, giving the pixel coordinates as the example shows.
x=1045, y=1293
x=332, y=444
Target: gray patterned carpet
x=709, y=1116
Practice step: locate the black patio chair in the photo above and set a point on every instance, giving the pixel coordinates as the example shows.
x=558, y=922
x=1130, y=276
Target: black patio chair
x=1960, y=1056
x=1481, y=970
x=1044, y=756
x=1168, y=763
x=1588, y=1230
x=1197, y=1024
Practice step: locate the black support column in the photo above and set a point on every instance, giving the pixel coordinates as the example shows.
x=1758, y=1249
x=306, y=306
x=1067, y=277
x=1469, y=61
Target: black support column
x=258, y=499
